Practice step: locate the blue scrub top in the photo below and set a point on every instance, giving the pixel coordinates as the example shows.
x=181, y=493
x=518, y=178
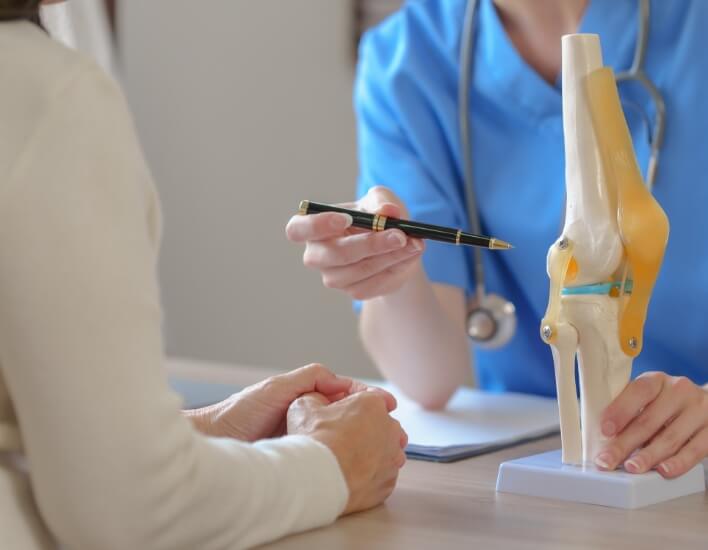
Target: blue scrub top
x=406, y=105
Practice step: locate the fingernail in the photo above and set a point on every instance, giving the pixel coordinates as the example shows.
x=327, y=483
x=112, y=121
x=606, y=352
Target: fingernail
x=417, y=245
x=664, y=467
x=603, y=460
x=396, y=239
x=634, y=465
x=341, y=221
x=608, y=428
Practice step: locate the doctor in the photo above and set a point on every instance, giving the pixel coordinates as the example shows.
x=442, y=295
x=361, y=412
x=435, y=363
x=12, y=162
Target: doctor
x=414, y=297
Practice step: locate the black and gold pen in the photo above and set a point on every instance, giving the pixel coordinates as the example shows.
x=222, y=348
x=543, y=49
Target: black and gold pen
x=376, y=222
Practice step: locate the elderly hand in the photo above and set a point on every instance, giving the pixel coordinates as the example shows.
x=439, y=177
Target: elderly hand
x=665, y=417
x=368, y=443
x=364, y=264
x=259, y=411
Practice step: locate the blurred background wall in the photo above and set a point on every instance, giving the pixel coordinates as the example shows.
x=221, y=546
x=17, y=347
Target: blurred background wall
x=244, y=108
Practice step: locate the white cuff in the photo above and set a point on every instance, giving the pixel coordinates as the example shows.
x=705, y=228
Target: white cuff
x=322, y=491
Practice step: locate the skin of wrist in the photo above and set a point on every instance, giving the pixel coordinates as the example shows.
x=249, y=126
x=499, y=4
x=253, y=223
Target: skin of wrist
x=331, y=440
x=415, y=286
x=202, y=420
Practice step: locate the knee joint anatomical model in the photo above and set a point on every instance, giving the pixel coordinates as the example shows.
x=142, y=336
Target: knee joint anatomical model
x=604, y=265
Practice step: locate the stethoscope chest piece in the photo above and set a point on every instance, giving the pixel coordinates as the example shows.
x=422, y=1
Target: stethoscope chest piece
x=491, y=321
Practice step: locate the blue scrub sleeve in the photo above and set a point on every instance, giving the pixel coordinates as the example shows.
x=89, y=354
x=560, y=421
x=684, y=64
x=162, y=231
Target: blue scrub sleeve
x=389, y=109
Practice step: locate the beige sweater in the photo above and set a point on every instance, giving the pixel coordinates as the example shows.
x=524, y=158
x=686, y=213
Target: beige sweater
x=84, y=402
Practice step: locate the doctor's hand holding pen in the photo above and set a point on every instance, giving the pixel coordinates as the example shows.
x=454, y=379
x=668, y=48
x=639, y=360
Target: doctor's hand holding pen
x=364, y=264
x=407, y=323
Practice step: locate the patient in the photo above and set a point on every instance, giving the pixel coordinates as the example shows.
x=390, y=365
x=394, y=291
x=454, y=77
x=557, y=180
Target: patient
x=94, y=450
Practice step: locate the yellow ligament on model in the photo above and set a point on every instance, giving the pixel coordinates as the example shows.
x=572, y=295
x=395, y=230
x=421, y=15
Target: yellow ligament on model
x=643, y=225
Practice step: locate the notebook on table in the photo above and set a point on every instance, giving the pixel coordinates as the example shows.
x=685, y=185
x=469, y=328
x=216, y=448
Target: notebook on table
x=473, y=423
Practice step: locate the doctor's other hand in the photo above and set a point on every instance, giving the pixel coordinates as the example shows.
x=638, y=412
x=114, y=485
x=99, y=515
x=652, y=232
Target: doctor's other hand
x=368, y=443
x=259, y=411
x=664, y=417
x=364, y=264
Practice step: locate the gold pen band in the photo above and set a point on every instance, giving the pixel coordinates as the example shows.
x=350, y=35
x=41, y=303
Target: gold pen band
x=304, y=207
x=458, y=236
x=382, y=223
x=378, y=223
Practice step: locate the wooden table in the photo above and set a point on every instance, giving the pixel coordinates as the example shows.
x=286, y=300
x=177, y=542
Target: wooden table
x=437, y=506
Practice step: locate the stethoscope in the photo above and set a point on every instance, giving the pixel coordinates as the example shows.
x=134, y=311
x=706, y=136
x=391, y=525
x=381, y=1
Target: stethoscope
x=491, y=318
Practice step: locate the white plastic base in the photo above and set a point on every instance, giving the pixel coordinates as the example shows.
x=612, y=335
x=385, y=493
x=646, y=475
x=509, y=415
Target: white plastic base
x=544, y=475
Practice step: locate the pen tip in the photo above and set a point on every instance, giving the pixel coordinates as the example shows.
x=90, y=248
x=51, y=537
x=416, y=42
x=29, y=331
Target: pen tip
x=498, y=244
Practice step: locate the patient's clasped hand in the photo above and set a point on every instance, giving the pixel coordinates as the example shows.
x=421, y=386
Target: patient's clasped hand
x=334, y=410
x=602, y=271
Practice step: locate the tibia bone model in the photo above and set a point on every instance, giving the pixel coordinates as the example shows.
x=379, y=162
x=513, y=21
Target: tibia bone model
x=604, y=265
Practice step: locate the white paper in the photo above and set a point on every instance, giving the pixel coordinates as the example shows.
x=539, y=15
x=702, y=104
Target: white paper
x=475, y=420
